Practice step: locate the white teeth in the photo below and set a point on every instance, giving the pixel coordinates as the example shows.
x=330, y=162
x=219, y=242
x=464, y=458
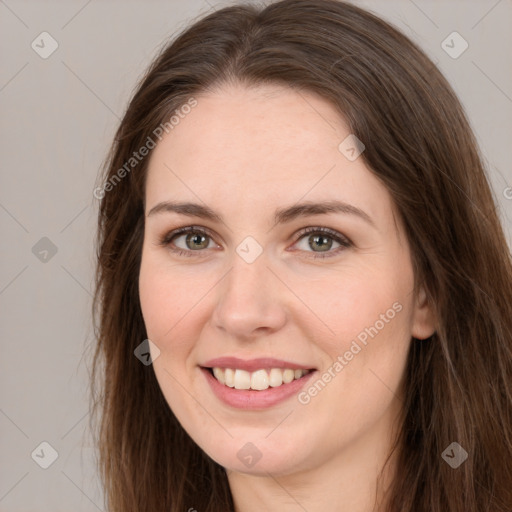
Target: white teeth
x=276, y=377
x=229, y=377
x=219, y=375
x=258, y=380
x=288, y=375
x=242, y=379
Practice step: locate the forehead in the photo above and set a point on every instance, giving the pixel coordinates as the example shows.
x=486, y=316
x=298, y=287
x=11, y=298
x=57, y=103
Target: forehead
x=243, y=148
x=258, y=124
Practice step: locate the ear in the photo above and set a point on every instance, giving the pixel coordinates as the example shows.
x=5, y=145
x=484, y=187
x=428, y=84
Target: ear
x=424, y=321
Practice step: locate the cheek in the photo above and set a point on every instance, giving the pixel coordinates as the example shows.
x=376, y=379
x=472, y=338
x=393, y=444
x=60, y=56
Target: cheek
x=173, y=308
x=362, y=305
x=155, y=307
x=362, y=378
x=164, y=299
x=371, y=314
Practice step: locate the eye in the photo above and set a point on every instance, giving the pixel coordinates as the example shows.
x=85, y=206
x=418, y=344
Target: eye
x=195, y=239
x=321, y=238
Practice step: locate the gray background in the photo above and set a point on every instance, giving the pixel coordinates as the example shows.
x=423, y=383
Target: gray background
x=58, y=119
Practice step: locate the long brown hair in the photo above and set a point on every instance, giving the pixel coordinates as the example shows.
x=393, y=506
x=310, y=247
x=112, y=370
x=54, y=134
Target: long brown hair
x=458, y=383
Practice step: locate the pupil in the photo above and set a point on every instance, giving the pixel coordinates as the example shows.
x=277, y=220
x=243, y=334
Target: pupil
x=323, y=238
x=195, y=237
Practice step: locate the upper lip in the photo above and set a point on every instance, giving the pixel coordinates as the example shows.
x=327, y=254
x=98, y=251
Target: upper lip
x=251, y=365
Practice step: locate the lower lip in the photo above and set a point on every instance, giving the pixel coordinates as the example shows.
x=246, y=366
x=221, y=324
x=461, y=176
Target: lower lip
x=252, y=399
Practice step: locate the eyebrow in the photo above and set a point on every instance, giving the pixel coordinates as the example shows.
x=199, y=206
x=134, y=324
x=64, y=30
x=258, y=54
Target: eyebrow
x=281, y=215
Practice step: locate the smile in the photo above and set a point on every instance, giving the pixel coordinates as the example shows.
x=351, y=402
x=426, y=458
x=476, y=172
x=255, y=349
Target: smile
x=258, y=380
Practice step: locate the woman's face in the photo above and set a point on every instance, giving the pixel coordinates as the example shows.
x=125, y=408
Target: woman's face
x=256, y=297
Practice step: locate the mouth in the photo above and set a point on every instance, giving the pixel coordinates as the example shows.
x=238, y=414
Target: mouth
x=255, y=384
x=258, y=380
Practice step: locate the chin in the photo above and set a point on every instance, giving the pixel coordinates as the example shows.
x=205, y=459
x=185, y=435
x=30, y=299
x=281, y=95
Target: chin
x=259, y=458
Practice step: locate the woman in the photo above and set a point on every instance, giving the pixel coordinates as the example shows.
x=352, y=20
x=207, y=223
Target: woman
x=241, y=369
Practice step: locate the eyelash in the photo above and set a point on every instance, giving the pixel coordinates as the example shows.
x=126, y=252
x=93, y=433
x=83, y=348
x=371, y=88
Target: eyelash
x=342, y=240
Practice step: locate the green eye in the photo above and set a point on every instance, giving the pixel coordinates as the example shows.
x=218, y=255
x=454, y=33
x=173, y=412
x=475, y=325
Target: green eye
x=197, y=239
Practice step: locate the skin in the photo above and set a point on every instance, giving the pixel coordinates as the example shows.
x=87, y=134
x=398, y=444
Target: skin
x=245, y=152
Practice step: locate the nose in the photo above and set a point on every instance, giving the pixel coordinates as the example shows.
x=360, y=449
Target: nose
x=251, y=300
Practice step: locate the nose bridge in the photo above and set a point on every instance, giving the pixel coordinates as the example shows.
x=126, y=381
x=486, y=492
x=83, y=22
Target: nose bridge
x=249, y=295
